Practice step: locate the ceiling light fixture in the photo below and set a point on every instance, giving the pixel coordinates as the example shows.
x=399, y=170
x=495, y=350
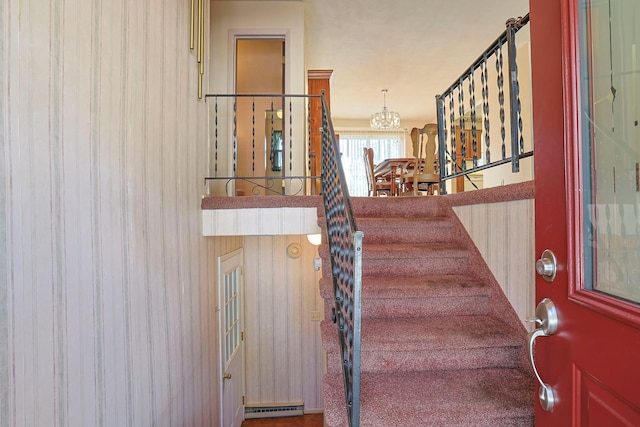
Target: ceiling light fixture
x=385, y=119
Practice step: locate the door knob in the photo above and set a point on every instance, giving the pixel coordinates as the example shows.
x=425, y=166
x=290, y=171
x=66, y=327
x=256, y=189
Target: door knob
x=547, y=318
x=547, y=266
x=226, y=376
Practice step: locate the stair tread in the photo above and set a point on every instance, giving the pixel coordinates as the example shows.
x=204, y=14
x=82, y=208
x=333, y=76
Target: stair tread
x=471, y=397
x=391, y=221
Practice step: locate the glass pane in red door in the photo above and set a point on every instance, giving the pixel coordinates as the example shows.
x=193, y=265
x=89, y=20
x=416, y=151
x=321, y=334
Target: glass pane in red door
x=610, y=85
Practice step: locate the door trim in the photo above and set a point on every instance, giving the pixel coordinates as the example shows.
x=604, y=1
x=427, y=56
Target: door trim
x=275, y=34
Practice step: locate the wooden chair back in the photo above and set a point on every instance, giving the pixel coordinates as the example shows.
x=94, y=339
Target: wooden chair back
x=422, y=171
x=375, y=185
x=368, y=166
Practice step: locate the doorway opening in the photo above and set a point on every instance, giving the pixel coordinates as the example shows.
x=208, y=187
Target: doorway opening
x=259, y=69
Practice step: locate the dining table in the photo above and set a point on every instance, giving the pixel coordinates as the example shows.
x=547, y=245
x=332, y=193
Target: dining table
x=388, y=169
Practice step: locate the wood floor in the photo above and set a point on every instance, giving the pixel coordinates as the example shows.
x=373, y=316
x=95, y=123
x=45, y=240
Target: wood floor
x=310, y=420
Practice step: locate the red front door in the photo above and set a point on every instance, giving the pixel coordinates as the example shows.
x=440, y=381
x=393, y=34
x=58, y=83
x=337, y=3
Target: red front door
x=586, y=109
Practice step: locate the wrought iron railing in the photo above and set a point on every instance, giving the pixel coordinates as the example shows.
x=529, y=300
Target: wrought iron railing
x=345, y=246
x=460, y=137
x=259, y=144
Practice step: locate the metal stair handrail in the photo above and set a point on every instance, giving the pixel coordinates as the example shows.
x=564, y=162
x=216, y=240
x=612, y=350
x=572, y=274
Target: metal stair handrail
x=345, y=247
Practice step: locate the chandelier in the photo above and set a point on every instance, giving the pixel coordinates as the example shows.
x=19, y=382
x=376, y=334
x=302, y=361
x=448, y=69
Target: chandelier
x=385, y=119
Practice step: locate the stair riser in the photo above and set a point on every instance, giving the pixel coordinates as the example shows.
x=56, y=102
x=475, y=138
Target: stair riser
x=396, y=207
x=393, y=211
x=416, y=307
x=394, y=361
x=424, y=307
x=399, y=303
x=414, y=266
x=374, y=234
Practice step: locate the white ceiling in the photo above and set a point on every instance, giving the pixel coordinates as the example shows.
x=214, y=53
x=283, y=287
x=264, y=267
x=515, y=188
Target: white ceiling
x=413, y=48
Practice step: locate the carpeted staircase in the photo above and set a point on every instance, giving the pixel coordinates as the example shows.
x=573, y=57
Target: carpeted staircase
x=441, y=345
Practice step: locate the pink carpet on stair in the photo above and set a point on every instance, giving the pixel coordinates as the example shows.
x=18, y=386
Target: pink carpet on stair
x=441, y=346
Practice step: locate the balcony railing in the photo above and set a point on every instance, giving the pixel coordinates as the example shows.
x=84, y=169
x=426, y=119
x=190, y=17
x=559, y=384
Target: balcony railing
x=466, y=135
x=259, y=144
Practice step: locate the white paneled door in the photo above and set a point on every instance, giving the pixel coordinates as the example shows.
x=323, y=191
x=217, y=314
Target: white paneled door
x=231, y=335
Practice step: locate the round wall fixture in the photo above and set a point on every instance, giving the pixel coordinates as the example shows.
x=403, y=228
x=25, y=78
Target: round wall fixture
x=294, y=250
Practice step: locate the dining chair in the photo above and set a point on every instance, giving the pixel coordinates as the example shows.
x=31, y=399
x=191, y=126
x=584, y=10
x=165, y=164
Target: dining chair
x=376, y=185
x=420, y=174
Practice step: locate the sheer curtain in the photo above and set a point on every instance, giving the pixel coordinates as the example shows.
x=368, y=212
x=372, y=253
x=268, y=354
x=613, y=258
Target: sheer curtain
x=385, y=144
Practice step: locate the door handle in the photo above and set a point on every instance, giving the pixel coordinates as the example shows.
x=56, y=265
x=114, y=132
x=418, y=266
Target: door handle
x=226, y=376
x=547, y=319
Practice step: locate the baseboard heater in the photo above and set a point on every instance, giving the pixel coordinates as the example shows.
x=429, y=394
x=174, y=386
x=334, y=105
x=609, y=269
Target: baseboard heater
x=276, y=410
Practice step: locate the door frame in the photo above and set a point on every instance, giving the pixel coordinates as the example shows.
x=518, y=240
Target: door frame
x=234, y=35
x=238, y=255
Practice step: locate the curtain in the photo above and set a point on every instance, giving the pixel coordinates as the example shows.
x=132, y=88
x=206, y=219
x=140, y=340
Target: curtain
x=385, y=144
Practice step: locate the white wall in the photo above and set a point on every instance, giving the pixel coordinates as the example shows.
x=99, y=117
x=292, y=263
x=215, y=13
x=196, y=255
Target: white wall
x=260, y=221
x=107, y=285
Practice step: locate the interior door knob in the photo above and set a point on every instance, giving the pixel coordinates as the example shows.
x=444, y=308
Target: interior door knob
x=547, y=266
x=226, y=376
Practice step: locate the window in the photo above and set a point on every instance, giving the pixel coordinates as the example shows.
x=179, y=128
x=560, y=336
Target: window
x=385, y=144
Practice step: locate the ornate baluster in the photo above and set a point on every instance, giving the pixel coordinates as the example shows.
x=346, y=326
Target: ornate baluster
x=309, y=139
x=452, y=127
x=472, y=105
x=463, y=136
x=517, y=142
x=215, y=164
x=235, y=134
x=485, y=106
x=273, y=132
x=253, y=136
x=500, y=81
x=444, y=169
x=290, y=138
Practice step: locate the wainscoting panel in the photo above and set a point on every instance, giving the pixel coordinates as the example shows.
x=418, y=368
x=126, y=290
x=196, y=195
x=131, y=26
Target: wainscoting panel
x=284, y=356
x=260, y=221
x=108, y=287
x=505, y=236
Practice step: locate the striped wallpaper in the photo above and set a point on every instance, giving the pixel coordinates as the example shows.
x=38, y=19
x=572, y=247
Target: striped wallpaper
x=285, y=360
x=106, y=281
x=510, y=254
